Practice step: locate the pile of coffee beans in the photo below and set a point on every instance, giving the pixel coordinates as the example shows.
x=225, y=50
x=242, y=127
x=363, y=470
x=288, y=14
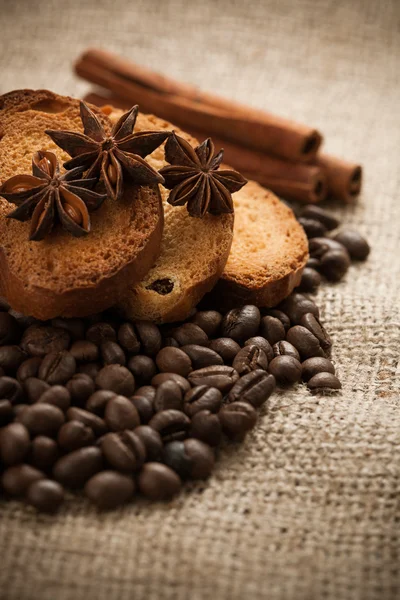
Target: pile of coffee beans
x=119, y=408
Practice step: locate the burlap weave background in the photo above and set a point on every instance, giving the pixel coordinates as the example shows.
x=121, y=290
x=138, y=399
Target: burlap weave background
x=308, y=508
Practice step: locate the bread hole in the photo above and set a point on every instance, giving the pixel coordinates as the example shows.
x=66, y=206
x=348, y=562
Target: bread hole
x=49, y=106
x=161, y=286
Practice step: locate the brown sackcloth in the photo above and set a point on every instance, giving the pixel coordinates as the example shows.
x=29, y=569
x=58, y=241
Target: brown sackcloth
x=308, y=507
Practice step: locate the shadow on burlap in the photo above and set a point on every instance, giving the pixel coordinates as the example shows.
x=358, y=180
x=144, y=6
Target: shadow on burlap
x=308, y=507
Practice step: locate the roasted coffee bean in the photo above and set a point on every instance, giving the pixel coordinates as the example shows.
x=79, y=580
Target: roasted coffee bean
x=285, y=348
x=120, y=414
x=169, y=341
x=190, y=333
x=23, y=321
x=304, y=341
x=14, y=444
x=45, y=495
x=223, y=378
x=168, y=395
x=227, y=348
x=124, y=450
x=254, y=387
x=143, y=368
x=57, y=367
x=151, y=440
x=6, y=412
x=296, y=305
x=92, y=369
x=334, y=264
x=319, y=246
x=17, y=479
x=39, y=340
x=75, y=327
x=313, y=324
x=200, y=398
x=34, y=388
x=96, y=423
x=190, y=458
x=311, y=211
x=158, y=482
x=84, y=351
x=312, y=227
x=285, y=369
x=272, y=329
x=143, y=403
x=315, y=365
x=263, y=344
x=74, y=435
x=9, y=329
x=149, y=336
x=310, y=280
x=10, y=389
x=279, y=314
x=44, y=452
x=237, y=419
x=28, y=368
x=209, y=321
x=112, y=353
x=201, y=356
x=81, y=387
x=205, y=426
x=174, y=360
x=181, y=381
x=116, y=378
x=241, y=323
x=355, y=244
x=11, y=357
x=76, y=468
x=171, y=424
x=128, y=339
x=97, y=402
x=313, y=263
x=57, y=396
x=101, y=332
x=42, y=419
x=249, y=359
x=324, y=383
x=109, y=489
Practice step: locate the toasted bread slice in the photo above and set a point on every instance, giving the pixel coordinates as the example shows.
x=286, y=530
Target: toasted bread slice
x=63, y=275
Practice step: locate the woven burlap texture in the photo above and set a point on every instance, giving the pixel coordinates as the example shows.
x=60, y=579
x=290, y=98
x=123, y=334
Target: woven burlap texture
x=308, y=507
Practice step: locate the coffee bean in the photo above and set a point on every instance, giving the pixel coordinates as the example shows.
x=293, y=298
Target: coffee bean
x=17, y=479
x=84, y=351
x=143, y=368
x=23, y=321
x=44, y=452
x=356, y=245
x=254, y=387
x=14, y=444
x=241, y=323
x=57, y=396
x=279, y=314
x=200, y=398
x=296, y=305
x=313, y=324
x=227, y=348
x=168, y=395
x=11, y=357
x=116, y=378
x=304, y=341
x=324, y=383
x=310, y=280
x=334, y=264
x=81, y=386
x=143, y=402
x=190, y=333
x=149, y=336
x=28, y=368
x=10, y=389
x=320, y=245
x=45, y=495
x=312, y=227
x=42, y=419
x=313, y=263
x=181, y=381
x=190, y=458
x=124, y=450
x=171, y=424
x=39, y=340
x=201, y=356
x=112, y=353
x=311, y=211
x=4, y=305
x=97, y=402
x=249, y=359
x=151, y=440
x=237, y=419
x=209, y=321
x=128, y=339
x=263, y=344
x=272, y=329
x=9, y=329
x=34, y=388
x=315, y=365
x=6, y=412
x=109, y=489
x=120, y=414
x=75, y=327
x=223, y=378
x=74, y=435
x=158, y=482
x=101, y=332
x=169, y=341
x=96, y=423
x=206, y=427
x=174, y=360
x=92, y=369
x=285, y=348
x=285, y=369
x=57, y=367
x=76, y=468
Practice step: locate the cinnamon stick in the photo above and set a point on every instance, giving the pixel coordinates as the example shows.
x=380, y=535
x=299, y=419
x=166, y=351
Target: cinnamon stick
x=175, y=101
x=344, y=179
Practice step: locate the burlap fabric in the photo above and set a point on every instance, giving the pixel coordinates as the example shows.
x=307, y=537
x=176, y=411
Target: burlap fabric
x=308, y=507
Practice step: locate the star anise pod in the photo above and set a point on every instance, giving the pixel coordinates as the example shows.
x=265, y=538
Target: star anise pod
x=195, y=180
x=48, y=196
x=111, y=155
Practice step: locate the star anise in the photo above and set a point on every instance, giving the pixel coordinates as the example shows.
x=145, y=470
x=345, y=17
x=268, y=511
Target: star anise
x=195, y=180
x=48, y=196
x=111, y=155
